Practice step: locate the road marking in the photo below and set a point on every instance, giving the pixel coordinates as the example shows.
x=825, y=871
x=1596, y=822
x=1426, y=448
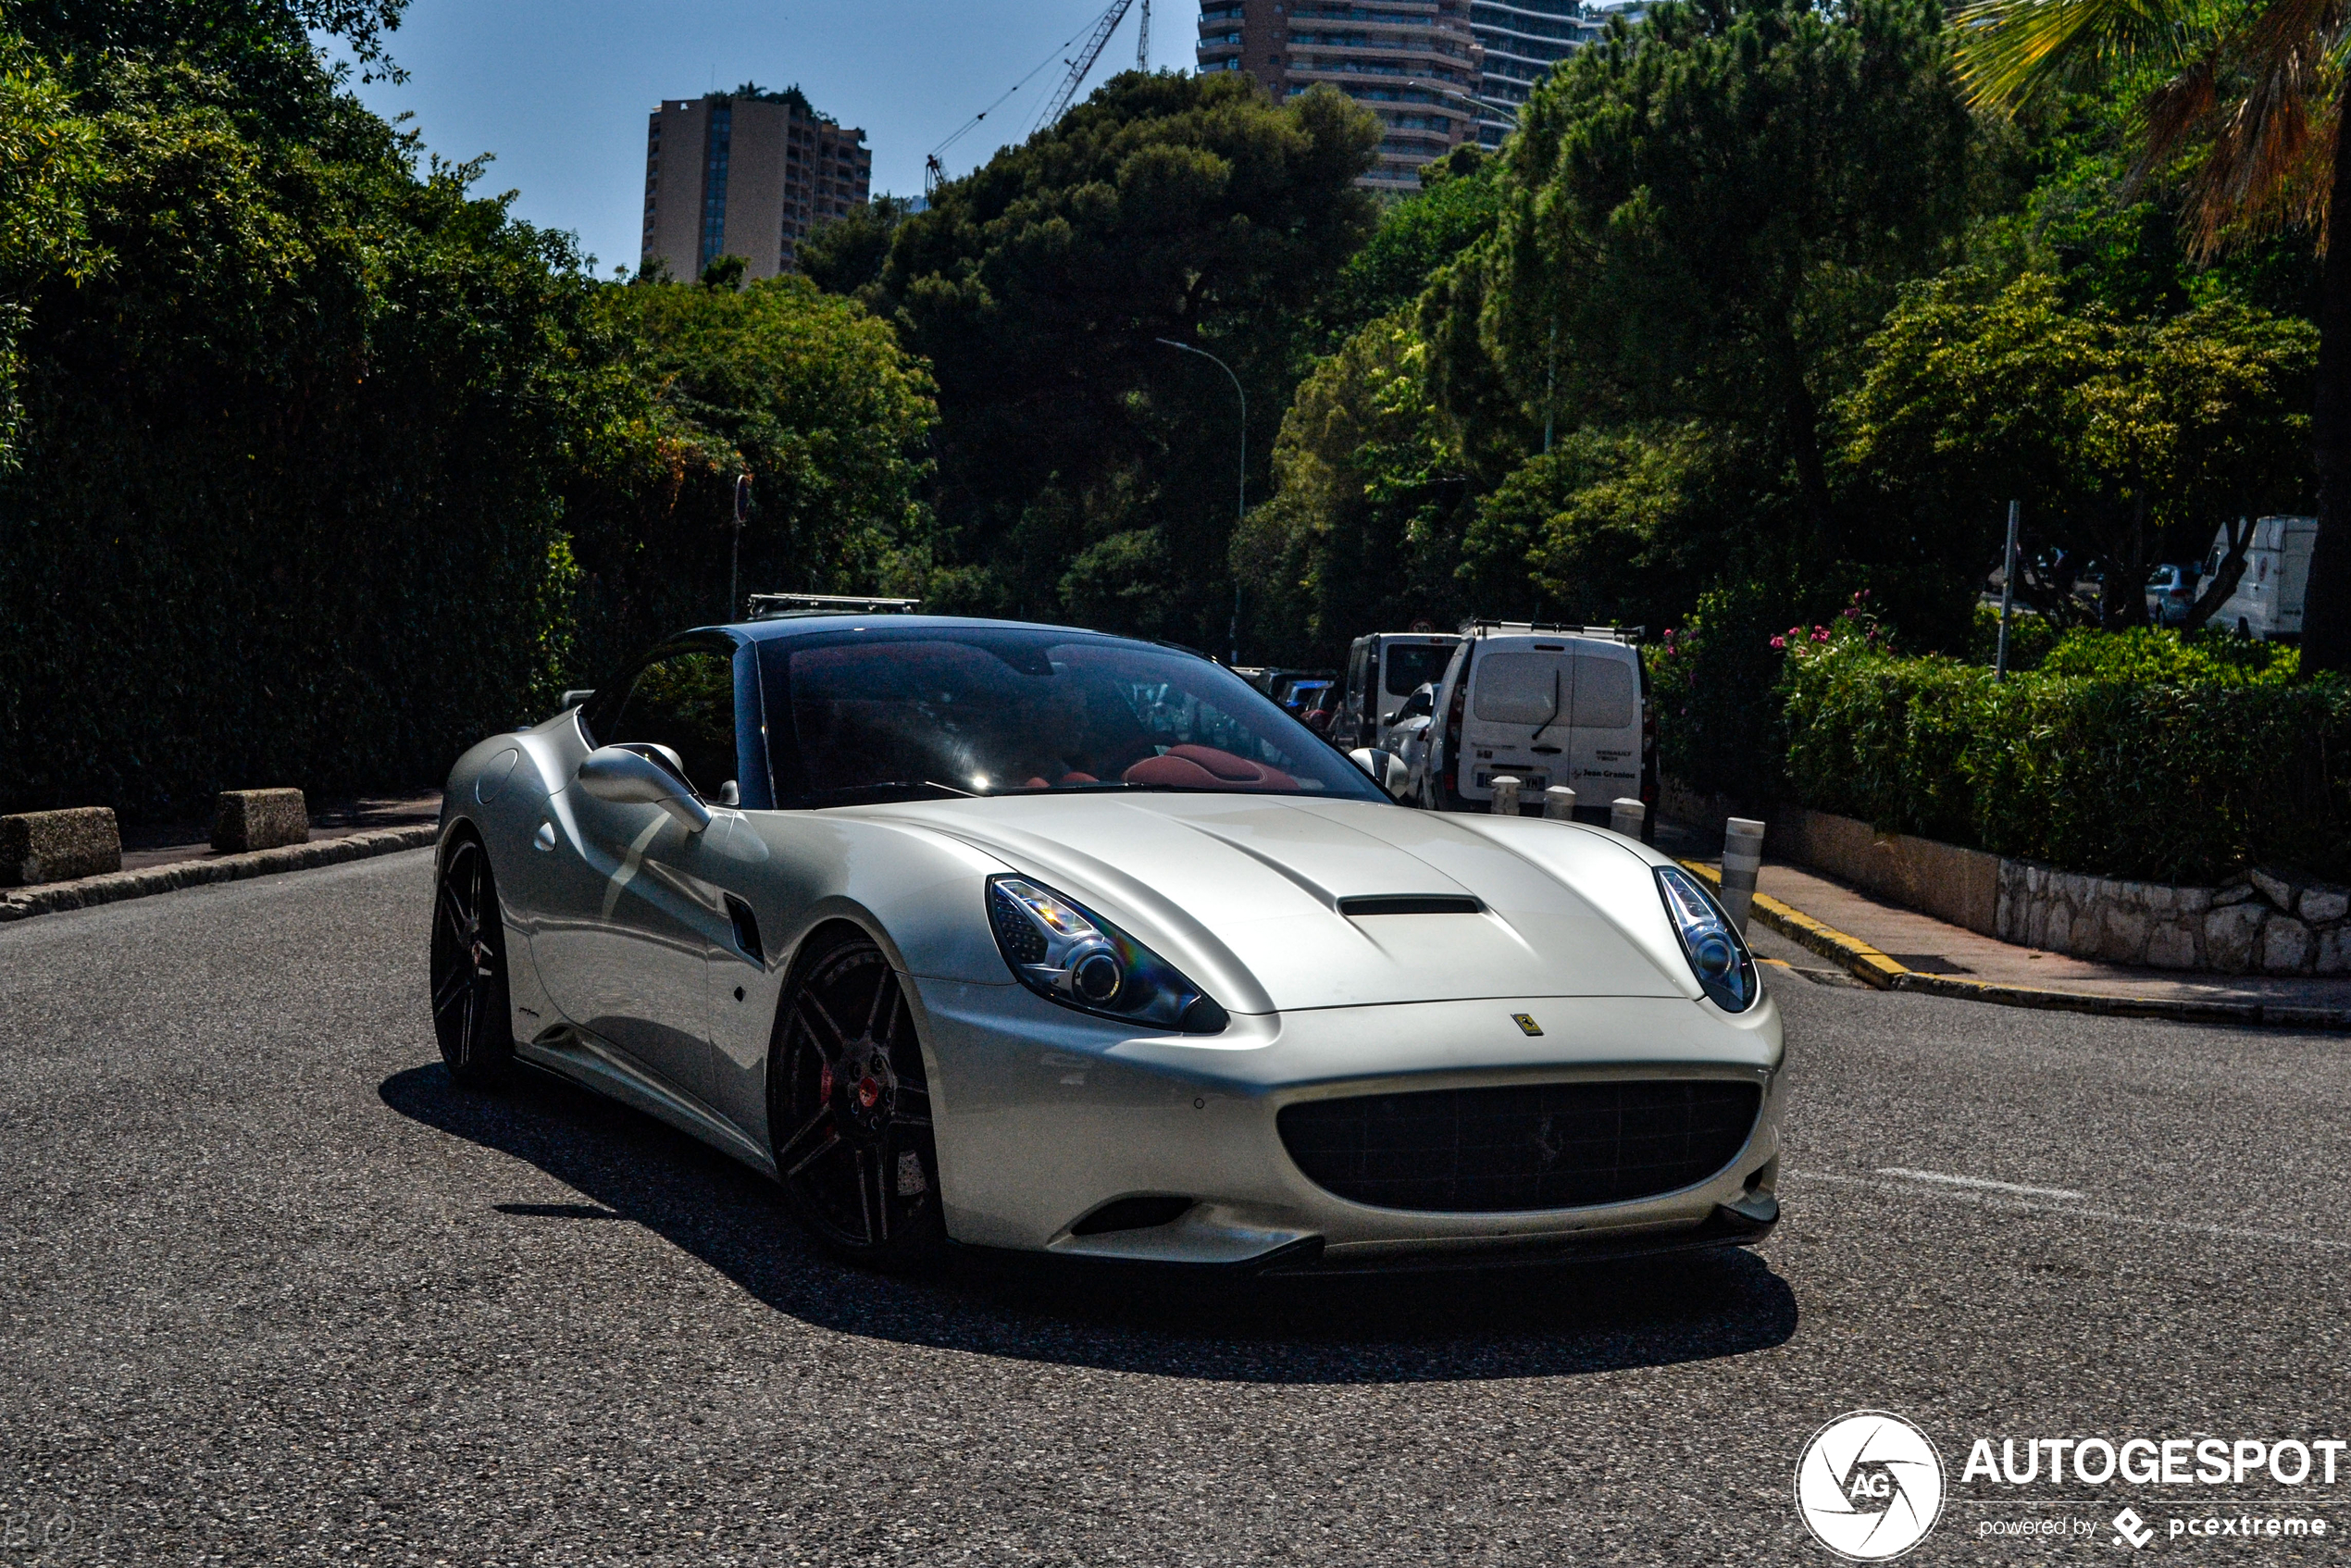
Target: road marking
x=1981, y=1182
x=2001, y=1202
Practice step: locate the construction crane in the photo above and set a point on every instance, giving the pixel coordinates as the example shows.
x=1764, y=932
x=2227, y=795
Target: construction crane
x=1096, y=37
x=1082, y=65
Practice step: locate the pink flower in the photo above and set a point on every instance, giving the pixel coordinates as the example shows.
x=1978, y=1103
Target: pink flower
x=1779, y=642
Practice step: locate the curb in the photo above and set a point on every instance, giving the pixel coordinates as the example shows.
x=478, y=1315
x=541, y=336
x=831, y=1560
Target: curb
x=114, y=887
x=1872, y=967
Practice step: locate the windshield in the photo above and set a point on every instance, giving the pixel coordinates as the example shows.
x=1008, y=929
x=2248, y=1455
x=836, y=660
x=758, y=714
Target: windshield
x=1408, y=667
x=993, y=711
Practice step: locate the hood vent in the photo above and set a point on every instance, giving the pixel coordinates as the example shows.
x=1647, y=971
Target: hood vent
x=1409, y=903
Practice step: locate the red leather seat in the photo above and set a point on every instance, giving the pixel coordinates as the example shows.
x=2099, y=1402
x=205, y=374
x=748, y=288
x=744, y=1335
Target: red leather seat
x=1205, y=767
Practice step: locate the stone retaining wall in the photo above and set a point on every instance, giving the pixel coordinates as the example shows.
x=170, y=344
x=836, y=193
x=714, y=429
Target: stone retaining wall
x=2261, y=922
x=2257, y=924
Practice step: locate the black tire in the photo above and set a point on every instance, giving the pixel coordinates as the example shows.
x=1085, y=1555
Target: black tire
x=470, y=1013
x=849, y=1111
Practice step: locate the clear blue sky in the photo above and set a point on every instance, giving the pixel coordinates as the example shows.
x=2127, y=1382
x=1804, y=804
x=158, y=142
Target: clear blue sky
x=559, y=90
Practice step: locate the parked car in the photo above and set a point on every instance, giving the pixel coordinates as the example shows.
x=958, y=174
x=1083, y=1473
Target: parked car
x=1382, y=670
x=2268, y=601
x=1035, y=939
x=1407, y=733
x=2172, y=591
x=1546, y=706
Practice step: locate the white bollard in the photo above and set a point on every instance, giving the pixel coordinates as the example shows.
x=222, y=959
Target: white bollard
x=1624, y=816
x=1742, y=858
x=1506, y=796
x=1558, y=803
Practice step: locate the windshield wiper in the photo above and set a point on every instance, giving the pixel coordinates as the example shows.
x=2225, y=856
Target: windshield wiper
x=897, y=789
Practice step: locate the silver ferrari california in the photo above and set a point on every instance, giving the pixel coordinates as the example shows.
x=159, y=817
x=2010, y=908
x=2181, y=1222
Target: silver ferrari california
x=1024, y=938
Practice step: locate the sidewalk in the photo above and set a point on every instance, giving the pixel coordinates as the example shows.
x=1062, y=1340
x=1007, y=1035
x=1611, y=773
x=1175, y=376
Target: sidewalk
x=178, y=844
x=1891, y=948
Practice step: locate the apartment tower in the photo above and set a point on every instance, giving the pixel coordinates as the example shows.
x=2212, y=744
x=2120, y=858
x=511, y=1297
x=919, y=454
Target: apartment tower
x=1413, y=63
x=749, y=173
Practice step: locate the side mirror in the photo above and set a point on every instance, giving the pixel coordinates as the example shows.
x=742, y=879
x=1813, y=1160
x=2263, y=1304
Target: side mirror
x=1369, y=761
x=577, y=697
x=632, y=778
x=1392, y=718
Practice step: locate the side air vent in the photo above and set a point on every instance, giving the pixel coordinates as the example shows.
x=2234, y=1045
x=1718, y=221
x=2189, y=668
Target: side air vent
x=1408, y=903
x=1133, y=1214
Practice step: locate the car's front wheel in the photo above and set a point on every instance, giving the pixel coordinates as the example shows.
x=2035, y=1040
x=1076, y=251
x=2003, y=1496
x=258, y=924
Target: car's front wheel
x=469, y=1011
x=849, y=1111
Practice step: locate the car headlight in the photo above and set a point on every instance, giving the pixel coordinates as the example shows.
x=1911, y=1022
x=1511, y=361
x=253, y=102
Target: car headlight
x=1709, y=941
x=1065, y=953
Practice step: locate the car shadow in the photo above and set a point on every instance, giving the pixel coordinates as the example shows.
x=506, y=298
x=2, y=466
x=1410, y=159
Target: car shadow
x=1553, y=1321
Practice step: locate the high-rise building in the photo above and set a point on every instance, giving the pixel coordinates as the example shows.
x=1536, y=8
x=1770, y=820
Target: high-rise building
x=1414, y=62
x=1522, y=40
x=747, y=173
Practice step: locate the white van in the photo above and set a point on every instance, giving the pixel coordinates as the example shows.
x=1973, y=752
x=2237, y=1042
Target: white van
x=1545, y=705
x=1382, y=671
x=2268, y=602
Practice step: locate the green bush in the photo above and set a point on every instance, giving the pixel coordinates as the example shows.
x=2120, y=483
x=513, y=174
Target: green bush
x=2183, y=780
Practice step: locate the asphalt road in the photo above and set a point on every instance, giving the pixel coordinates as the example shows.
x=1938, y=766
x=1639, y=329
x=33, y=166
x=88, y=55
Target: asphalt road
x=270, y=1291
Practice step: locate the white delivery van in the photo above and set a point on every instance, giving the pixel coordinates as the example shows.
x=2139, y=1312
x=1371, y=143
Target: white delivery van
x=2267, y=601
x=1382, y=671
x=1545, y=705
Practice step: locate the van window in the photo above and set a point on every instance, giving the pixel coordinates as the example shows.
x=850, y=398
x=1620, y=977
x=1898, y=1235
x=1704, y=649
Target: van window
x=1412, y=668
x=1605, y=696
x=1519, y=689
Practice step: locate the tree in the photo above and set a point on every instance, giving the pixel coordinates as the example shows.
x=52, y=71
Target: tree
x=846, y=255
x=1364, y=529
x=2126, y=441
x=806, y=391
x=1704, y=215
x=1191, y=208
x=2248, y=105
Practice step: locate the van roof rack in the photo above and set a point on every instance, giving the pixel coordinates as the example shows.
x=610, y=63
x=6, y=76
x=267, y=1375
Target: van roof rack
x=1632, y=635
x=773, y=607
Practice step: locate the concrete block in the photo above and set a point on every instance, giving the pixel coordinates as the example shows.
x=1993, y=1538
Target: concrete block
x=259, y=819
x=2286, y=947
x=58, y=846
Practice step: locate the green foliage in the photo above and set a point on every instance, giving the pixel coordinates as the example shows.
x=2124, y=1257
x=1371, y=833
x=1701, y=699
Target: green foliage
x=328, y=466
x=808, y=393
x=1362, y=532
x=2031, y=636
x=1416, y=236
x=1704, y=215
x=846, y=255
x=2126, y=441
x=1168, y=207
x=2154, y=656
x=2188, y=778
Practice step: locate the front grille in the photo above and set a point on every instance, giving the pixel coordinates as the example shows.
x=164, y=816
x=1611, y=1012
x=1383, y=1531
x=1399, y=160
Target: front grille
x=1535, y=1146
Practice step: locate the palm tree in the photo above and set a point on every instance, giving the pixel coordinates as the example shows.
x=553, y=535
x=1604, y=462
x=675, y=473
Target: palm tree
x=2251, y=102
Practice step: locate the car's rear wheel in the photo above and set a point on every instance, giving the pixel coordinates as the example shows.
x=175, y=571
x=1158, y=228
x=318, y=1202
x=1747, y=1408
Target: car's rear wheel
x=469, y=1008
x=849, y=1111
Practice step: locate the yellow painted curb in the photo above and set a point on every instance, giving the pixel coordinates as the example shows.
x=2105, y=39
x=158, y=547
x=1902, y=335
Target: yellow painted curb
x=1874, y=968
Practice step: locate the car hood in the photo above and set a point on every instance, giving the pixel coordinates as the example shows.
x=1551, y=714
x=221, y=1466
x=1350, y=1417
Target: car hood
x=1252, y=895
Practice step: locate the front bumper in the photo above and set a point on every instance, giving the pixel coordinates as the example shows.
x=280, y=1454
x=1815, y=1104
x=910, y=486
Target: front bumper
x=1043, y=1115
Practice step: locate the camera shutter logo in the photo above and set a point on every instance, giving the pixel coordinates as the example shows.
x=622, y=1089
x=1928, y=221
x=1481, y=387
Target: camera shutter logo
x=1869, y=1486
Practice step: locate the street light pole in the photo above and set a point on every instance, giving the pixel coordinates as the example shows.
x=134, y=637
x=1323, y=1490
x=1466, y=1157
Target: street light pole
x=1240, y=491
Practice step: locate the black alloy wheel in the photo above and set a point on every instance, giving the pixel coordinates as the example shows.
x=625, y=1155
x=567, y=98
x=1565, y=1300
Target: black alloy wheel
x=849, y=1111
x=469, y=1008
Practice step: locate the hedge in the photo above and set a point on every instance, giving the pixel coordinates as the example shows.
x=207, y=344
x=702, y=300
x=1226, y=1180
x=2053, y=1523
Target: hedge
x=2168, y=781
